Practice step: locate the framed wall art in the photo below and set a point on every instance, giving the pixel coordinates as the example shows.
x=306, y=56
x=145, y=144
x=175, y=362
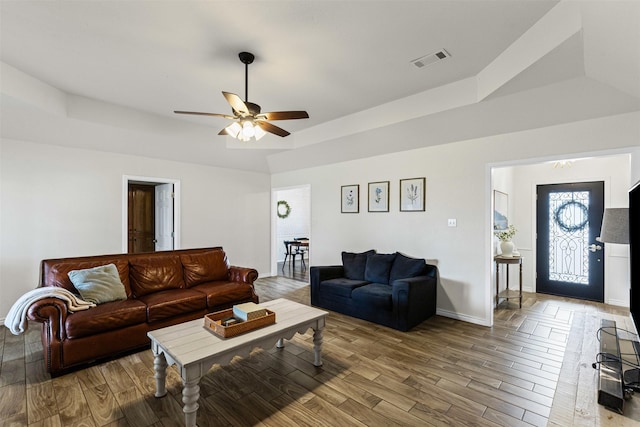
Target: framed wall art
x=350, y=198
x=412, y=195
x=500, y=210
x=379, y=196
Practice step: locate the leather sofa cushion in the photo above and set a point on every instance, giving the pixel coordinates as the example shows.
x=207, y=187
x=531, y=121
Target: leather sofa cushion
x=354, y=264
x=341, y=286
x=175, y=302
x=57, y=273
x=374, y=296
x=155, y=273
x=105, y=317
x=223, y=293
x=205, y=267
x=378, y=268
x=404, y=267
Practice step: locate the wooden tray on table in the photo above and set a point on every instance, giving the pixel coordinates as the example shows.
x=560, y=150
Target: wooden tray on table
x=212, y=322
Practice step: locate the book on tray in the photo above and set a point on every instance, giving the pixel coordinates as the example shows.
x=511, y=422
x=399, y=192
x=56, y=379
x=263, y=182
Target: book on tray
x=248, y=311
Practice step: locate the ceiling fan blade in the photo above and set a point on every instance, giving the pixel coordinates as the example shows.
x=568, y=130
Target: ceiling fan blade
x=268, y=127
x=236, y=103
x=223, y=132
x=284, y=115
x=226, y=116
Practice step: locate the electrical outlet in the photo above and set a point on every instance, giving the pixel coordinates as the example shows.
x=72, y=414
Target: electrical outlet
x=452, y=222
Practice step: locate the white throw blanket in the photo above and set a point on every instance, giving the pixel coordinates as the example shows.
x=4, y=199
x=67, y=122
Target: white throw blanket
x=16, y=320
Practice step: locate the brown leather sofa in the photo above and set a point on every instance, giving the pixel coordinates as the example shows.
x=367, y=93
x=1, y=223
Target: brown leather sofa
x=163, y=288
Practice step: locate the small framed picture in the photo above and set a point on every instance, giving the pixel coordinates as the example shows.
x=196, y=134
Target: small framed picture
x=379, y=196
x=500, y=210
x=412, y=194
x=350, y=198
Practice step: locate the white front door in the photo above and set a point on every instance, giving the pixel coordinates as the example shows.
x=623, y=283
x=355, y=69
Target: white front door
x=164, y=217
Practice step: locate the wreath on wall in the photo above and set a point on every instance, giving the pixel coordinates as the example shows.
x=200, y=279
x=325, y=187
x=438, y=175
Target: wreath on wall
x=283, y=209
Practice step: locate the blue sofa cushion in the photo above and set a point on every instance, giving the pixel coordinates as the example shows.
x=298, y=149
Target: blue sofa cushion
x=354, y=264
x=373, y=297
x=378, y=268
x=341, y=286
x=404, y=267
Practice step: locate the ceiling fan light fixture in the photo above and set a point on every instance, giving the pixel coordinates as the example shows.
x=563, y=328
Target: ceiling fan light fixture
x=259, y=132
x=233, y=129
x=248, y=130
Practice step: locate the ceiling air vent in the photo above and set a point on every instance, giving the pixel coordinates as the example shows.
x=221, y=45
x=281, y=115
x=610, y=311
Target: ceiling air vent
x=432, y=58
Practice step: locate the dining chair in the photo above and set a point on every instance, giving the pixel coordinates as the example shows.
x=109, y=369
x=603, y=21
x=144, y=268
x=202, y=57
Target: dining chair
x=300, y=250
x=291, y=254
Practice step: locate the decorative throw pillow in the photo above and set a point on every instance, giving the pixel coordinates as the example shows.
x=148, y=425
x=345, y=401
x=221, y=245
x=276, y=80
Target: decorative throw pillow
x=98, y=284
x=378, y=268
x=404, y=267
x=354, y=264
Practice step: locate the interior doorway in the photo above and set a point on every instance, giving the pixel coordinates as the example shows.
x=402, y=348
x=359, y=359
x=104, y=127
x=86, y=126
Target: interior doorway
x=151, y=214
x=141, y=218
x=291, y=221
x=521, y=182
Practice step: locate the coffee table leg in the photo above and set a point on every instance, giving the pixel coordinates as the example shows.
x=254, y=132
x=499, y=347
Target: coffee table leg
x=317, y=347
x=160, y=369
x=190, y=396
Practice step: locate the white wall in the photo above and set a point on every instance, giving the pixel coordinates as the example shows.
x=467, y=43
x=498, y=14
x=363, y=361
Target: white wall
x=614, y=171
x=458, y=186
x=62, y=201
x=297, y=223
x=635, y=165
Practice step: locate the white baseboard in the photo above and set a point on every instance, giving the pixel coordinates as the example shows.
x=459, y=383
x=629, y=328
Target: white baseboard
x=463, y=317
x=620, y=303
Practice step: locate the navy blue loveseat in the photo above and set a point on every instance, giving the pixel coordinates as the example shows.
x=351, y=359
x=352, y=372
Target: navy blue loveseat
x=389, y=289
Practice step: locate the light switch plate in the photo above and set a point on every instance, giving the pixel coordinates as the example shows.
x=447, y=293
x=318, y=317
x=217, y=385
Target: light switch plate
x=452, y=222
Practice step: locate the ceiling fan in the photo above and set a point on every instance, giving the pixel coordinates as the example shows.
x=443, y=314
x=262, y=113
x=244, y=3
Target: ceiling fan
x=249, y=121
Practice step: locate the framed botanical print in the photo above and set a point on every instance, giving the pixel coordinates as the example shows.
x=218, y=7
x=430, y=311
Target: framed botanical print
x=350, y=198
x=379, y=196
x=412, y=195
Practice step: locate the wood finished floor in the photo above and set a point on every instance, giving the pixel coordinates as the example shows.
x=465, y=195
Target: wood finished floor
x=532, y=368
x=295, y=272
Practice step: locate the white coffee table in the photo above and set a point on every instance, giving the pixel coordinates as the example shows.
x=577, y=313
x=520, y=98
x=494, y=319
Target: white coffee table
x=193, y=349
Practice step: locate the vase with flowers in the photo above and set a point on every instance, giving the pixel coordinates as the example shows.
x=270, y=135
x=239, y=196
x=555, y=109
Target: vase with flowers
x=505, y=236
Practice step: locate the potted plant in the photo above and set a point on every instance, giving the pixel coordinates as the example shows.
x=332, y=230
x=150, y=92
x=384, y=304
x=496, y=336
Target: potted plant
x=505, y=236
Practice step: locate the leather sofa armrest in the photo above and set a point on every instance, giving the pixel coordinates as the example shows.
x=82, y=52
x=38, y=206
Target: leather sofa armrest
x=243, y=274
x=319, y=274
x=52, y=313
x=413, y=296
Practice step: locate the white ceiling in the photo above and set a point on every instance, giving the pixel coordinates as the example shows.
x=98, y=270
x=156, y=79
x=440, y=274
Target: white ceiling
x=126, y=65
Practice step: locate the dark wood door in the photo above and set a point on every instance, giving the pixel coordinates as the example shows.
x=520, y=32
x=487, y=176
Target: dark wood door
x=142, y=227
x=570, y=262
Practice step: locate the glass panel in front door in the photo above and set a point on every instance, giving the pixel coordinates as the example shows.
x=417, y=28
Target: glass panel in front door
x=569, y=237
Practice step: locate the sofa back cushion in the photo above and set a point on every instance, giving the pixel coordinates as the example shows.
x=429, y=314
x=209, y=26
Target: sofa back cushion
x=405, y=267
x=378, y=268
x=205, y=267
x=354, y=264
x=55, y=272
x=155, y=273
